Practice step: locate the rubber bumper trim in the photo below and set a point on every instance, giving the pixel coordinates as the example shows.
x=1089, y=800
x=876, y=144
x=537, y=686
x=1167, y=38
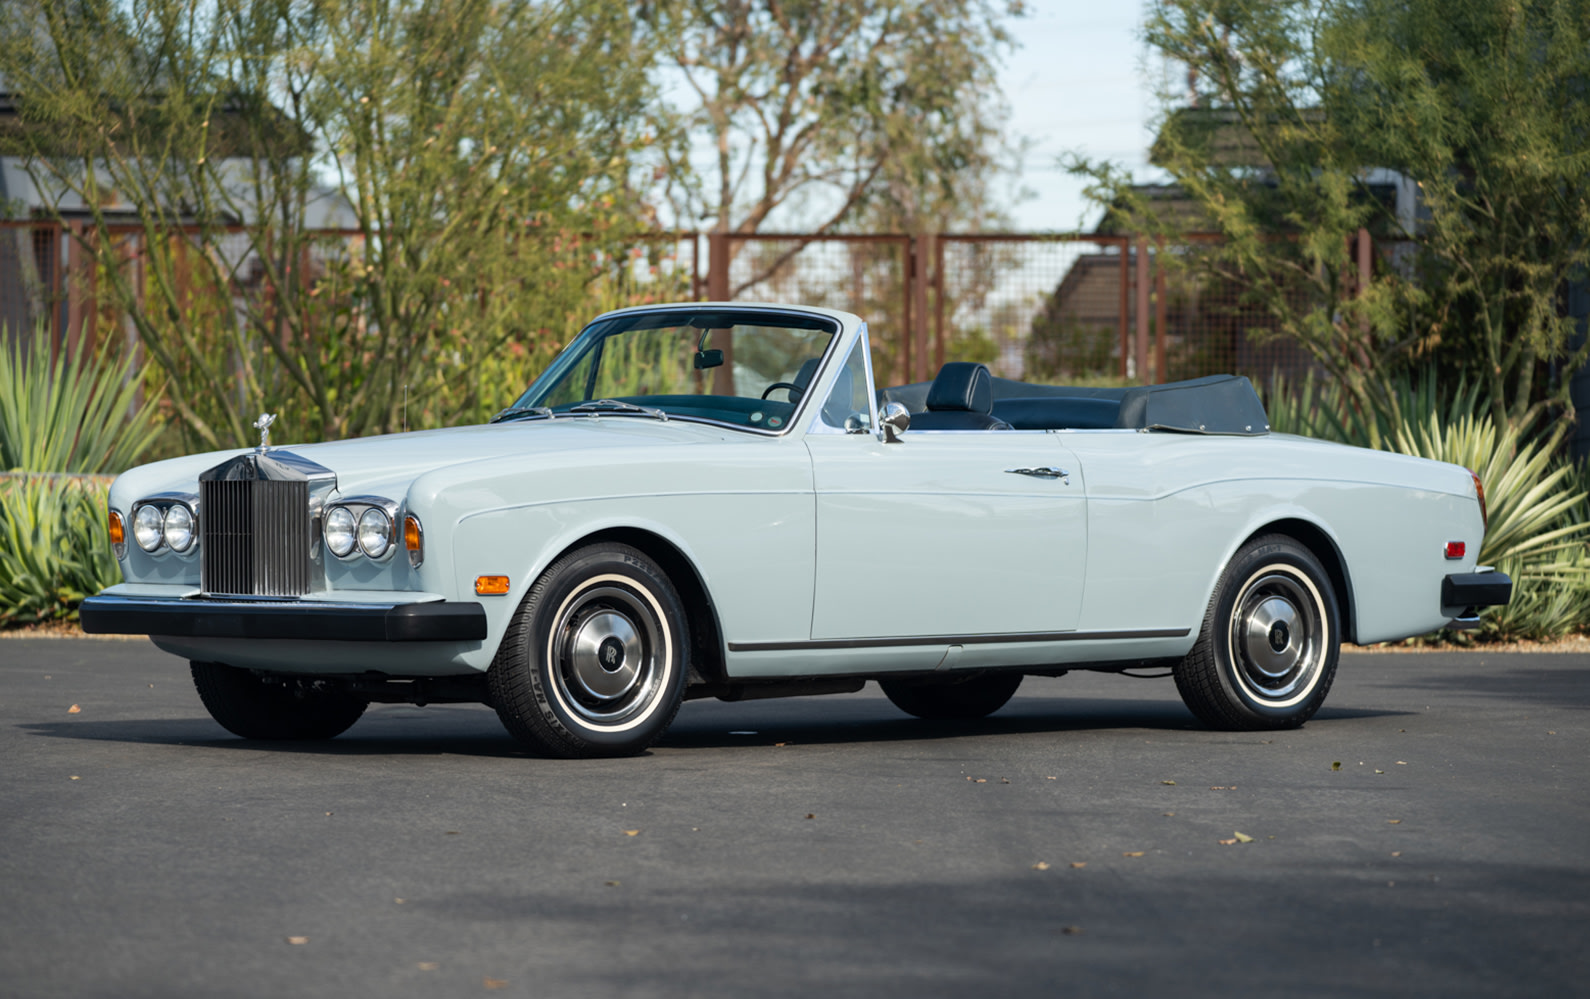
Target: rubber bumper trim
x=198, y=617
x=1476, y=589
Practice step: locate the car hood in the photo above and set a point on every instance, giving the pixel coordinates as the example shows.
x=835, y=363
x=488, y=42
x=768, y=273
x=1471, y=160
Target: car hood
x=385, y=464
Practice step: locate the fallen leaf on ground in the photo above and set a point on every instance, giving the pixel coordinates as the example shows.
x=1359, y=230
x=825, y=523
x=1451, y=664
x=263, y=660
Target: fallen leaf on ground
x=1395, y=822
x=780, y=744
x=1042, y=865
x=1071, y=931
x=1402, y=763
x=982, y=780
x=1169, y=815
x=1242, y=837
x=297, y=940
x=1379, y=771
x=811, y=815
x=631, y=832
x=1133, y=853
x=74, y=709
x=611, y=884
x=495, y=983
x=1056, y=778
x=397, y=901
x=1170, y=782
x=1396, y=853
x=1228, y=842
x=1004, y=780
x=75, y=778
x=427, y=966
x=1222, y=787
x=1079, y=864
x=1336, y=764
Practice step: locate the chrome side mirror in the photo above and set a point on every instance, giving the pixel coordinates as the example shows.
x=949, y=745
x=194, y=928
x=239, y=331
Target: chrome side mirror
x=895, y=420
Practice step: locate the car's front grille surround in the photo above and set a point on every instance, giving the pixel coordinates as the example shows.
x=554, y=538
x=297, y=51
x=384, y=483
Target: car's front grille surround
x=255, y=536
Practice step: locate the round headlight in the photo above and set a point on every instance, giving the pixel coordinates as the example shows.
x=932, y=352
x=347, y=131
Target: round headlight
x=375, y=532
x=179, y=527
x=340, y=531
x=149, y=528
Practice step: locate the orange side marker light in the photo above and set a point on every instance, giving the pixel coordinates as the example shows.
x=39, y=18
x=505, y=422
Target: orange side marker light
x=118, y=530
x=491, y=586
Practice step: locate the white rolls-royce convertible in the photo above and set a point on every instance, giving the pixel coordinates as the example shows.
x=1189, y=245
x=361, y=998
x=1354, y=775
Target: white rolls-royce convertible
x=713, y=500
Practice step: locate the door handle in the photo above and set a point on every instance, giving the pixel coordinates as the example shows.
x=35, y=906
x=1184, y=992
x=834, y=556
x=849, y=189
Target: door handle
x=1042, y=472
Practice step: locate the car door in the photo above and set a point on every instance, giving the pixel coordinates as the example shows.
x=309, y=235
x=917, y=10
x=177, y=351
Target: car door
x=947, y=534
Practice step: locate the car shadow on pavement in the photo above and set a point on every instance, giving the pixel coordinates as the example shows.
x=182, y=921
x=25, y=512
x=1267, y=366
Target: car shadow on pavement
x=407, y=731
x=454, y=733
x=858, y=720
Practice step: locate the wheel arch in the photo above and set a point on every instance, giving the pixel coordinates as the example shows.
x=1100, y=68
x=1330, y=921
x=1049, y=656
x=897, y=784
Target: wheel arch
x=1324, y=548
x=706, y=633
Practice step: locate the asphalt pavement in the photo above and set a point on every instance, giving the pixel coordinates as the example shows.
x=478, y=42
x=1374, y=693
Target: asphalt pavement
x=1427, y=834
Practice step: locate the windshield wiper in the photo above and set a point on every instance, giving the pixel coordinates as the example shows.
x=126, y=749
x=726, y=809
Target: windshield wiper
x=597, y=406
x=520, y=412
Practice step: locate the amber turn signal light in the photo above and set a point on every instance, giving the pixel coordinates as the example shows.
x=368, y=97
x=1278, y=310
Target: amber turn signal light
x=491, y=586
x=118, y=530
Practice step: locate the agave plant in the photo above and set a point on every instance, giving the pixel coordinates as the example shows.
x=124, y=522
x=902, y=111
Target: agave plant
x=53, y=549
x=77, y=413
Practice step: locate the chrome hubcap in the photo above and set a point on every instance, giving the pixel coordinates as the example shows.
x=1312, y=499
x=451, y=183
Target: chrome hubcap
x=605, y=655
x=1277, y=639
x=609, y=652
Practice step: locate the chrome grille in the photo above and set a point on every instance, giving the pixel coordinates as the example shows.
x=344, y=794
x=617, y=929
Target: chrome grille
x=255, y=537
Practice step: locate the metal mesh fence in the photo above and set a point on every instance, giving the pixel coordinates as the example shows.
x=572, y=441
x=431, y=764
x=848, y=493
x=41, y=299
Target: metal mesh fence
x=1076, y=309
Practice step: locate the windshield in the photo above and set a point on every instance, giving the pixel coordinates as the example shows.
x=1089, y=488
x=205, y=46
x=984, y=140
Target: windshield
x=744, y=367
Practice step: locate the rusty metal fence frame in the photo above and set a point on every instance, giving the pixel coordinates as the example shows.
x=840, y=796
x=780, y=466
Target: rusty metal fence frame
x=916, y=323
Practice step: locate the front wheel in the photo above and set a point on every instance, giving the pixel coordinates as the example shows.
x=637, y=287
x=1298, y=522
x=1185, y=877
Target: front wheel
x=256, y=707
x=1266, y=654
x=952, y=699
x=593, y=663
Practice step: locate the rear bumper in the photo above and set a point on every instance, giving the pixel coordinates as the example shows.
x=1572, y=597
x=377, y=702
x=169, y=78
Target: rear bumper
x=199, y=617
x=1487, y=588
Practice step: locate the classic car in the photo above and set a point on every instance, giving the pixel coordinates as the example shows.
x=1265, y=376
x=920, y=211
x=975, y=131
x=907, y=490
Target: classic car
x=713, y=500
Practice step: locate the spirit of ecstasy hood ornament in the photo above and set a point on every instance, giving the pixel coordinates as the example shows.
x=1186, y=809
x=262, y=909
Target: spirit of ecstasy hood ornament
x=263, y=425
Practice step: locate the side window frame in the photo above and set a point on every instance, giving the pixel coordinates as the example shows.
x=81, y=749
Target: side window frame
x=820, y=424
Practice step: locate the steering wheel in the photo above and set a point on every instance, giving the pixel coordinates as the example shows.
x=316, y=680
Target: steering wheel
x=793, y=388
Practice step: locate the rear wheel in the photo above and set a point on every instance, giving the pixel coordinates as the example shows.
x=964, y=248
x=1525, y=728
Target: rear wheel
x=1266, y=654
x=952, y=699
x=593, y=663
x=256, y=707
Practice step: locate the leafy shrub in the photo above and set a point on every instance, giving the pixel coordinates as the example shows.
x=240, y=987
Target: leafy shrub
x=53, y=548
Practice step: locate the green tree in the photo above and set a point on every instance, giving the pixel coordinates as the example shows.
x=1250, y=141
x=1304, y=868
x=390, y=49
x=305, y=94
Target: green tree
x=480, y=155
x=1294, y=108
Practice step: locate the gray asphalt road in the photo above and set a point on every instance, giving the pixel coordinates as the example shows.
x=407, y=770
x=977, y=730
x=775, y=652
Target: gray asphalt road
x=782, y=847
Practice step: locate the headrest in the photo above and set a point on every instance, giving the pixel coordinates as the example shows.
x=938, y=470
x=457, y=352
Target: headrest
x=803, y=378
x=962, y=386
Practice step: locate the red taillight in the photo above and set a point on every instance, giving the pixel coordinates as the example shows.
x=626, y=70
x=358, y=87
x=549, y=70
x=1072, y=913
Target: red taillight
x=1456, y=549
x=1479, y=494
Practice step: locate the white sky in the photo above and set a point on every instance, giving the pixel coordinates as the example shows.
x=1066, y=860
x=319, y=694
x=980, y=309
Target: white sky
x=1082, y=81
